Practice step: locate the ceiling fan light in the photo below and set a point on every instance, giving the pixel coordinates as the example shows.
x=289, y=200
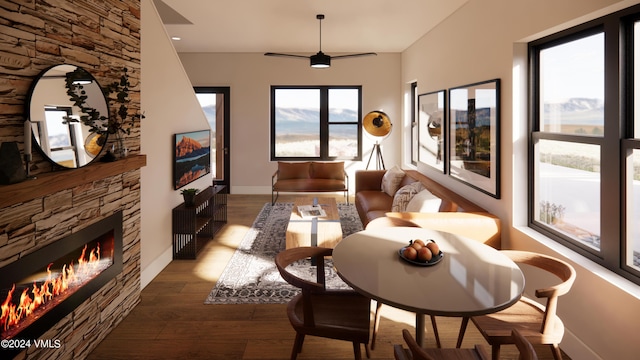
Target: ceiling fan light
x=320, y=60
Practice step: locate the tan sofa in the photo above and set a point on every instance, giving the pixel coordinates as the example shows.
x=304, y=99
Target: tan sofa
x=309, y=176
x=455, y=214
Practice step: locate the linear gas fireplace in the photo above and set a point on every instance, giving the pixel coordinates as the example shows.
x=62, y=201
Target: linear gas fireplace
x=39, y=289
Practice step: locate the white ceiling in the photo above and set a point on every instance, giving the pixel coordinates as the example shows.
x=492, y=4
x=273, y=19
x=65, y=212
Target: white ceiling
x=291, y=25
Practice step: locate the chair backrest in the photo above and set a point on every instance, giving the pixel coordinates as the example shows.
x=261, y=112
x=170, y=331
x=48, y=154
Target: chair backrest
x=527, y=352
x=289, y=256
x=563, y=270
x=417, y=352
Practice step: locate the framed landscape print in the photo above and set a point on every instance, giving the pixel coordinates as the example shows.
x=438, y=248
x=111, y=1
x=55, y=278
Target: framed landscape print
x=432, y=129
x=474, y=140
x=191, y=157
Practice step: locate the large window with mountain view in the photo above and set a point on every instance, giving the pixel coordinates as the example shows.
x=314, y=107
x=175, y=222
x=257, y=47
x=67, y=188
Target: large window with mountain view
x=584, y=147
x=316, y=123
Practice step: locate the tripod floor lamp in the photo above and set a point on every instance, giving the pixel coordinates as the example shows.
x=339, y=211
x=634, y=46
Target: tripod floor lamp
x=378, y=125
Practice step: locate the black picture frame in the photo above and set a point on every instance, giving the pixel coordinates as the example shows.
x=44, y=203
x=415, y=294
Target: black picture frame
x=191, y=157
x=474, y=139
x=432, y=129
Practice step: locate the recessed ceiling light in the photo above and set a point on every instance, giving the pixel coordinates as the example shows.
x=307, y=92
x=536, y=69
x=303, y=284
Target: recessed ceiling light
x=176, y=38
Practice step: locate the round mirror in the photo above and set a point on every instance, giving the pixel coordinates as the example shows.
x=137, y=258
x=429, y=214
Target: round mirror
x=68, y=112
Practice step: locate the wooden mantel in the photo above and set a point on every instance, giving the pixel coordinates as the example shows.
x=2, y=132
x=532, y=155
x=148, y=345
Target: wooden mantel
x=49, y=183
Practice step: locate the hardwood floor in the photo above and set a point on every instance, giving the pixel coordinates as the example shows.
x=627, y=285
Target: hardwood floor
x=172, y=322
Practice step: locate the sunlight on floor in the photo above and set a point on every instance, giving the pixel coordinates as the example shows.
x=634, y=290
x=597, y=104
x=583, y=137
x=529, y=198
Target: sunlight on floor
x=215, y=257
x=396, y=315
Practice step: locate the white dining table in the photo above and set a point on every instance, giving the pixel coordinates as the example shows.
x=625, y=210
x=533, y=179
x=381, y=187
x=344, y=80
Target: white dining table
x=470, y=279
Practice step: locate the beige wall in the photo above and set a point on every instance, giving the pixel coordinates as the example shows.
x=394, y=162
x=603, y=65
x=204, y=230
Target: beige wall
x=170, y=106
x=250, y=76
x=485, y=40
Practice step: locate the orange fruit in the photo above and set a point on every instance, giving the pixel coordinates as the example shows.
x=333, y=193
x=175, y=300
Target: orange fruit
x=435, y=249
x=410, y=253
x=419, y=242
x=424, y=254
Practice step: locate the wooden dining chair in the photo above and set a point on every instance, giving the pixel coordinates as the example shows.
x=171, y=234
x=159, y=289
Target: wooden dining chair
x=384, y=222
x=538, y=323
x=317, y=311
x=415, y=352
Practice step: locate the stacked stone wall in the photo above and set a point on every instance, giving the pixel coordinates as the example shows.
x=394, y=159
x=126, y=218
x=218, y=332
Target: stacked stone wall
x=103, y=37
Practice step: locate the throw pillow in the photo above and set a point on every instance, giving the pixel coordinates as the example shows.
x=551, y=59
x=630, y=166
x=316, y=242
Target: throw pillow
x=424, y=201
x=391, y=180
x=404, y=195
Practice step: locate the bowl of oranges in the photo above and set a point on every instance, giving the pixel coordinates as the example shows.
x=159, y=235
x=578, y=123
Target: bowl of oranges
x=421, y=252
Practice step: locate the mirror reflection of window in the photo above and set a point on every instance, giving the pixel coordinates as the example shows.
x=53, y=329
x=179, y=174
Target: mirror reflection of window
x=59, y=133
x=61, y=137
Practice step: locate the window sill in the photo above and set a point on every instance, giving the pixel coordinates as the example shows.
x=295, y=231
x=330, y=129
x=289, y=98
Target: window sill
x=614, y=279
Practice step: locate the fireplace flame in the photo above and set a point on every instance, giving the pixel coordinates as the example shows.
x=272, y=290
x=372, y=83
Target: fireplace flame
x=55, y=285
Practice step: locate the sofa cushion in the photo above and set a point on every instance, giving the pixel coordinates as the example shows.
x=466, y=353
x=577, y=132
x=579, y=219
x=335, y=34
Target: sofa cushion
x=391, y=180
x=404, y=195
x=327, y=170
x=480, y=226
x=293, y=170
x=376, y=214
x=424, y=201
x=309, y=185
x=373, y=200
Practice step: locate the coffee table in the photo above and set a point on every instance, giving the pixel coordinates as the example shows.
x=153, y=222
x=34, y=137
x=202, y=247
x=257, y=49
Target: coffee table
x=323, y=231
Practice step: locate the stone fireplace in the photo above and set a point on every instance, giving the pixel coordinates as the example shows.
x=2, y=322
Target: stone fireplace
x=102, y=37
x=41, y=288
x=49, y=220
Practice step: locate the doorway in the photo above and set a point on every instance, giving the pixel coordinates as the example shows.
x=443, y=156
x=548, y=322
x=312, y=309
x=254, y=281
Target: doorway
x=215, y=102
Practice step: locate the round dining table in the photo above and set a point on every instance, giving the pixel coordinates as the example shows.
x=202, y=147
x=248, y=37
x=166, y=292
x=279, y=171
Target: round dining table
x=469, y=279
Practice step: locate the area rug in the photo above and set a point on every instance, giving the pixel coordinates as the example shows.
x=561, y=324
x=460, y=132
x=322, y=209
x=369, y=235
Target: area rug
x=251, y=276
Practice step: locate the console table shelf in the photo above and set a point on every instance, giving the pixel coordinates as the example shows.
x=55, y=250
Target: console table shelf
x=194, y=226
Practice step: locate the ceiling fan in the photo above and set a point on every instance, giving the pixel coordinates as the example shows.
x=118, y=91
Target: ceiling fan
x=320, y=59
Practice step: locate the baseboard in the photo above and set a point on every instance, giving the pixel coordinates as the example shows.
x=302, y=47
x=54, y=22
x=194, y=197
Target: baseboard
x=251, y=190
x=575, y=348
x=157, y=265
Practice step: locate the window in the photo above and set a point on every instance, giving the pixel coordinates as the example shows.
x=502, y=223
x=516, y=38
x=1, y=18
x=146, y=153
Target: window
x=631, y=153
x=215, y=102
x=414, y=124
x=316, y=123
x=62, y=135
x=585, y=188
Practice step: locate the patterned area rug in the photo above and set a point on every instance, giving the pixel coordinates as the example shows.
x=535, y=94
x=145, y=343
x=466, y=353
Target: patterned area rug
x=251, y=277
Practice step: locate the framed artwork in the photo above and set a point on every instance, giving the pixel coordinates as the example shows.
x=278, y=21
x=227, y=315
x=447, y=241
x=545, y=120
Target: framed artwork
x=191, y=157
x=474, y=140
x=432, y=128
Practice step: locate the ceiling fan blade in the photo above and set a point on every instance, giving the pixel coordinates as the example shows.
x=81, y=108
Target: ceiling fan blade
x=286, y=55
x=354, y=55
x=320, y=60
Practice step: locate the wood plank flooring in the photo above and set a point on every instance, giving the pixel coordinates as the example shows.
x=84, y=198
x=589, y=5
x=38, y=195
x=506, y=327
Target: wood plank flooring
x=172, y=322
